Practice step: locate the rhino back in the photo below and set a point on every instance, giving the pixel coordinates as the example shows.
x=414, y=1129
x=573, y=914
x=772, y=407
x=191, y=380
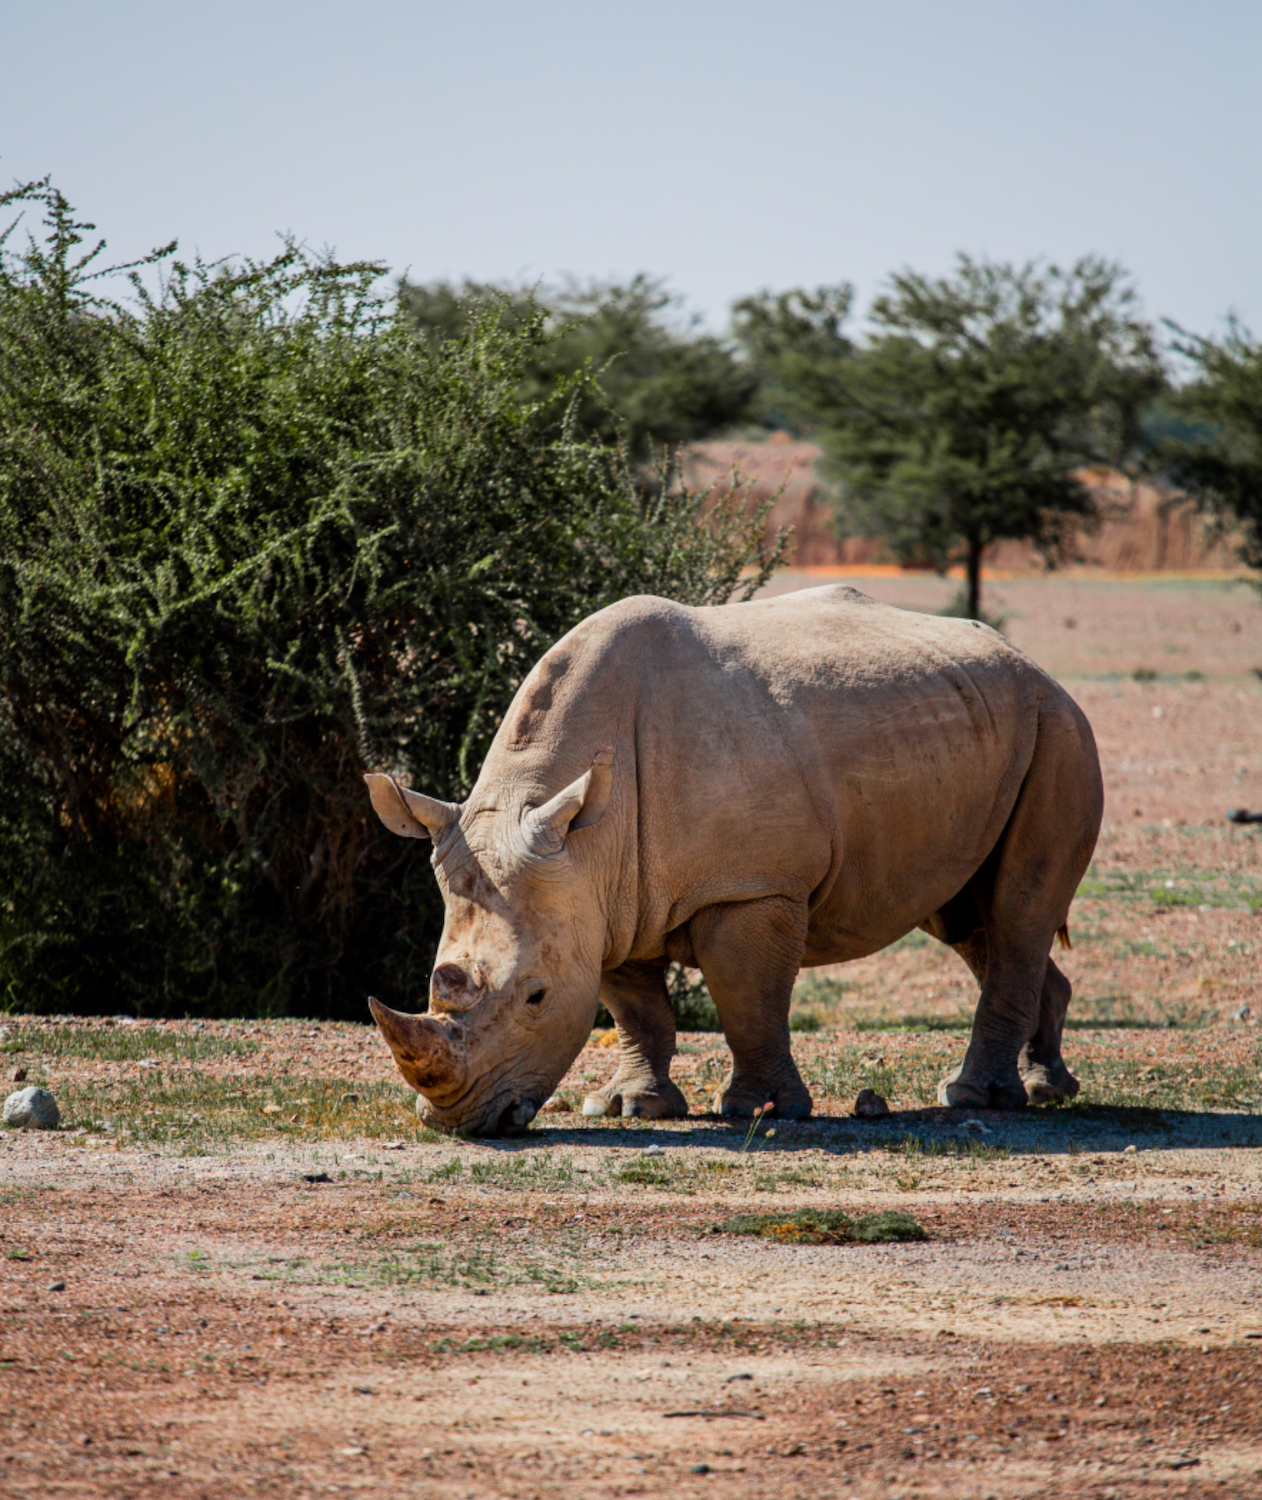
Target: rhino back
x=818, y=745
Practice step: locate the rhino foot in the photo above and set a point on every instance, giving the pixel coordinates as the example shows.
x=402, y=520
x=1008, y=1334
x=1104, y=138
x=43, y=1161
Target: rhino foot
x=793, y=1103
x=1049, y=1085
x=662, y=1102
x=957, y=1092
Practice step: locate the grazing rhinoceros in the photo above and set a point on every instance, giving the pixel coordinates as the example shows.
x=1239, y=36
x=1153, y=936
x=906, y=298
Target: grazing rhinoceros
x=748, y=790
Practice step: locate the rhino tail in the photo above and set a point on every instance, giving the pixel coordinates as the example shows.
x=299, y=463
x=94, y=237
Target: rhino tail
x=1063, y=934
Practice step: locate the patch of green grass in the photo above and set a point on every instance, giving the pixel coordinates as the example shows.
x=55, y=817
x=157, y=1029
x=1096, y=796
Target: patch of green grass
x=843, y=1071
x=425, y=1265
x=495, y=1342
x=1118, y=1012
x=1235, y=1224
x=769, y=1179
x=805, y=1020
x=26, y=1190
x=675, y=1175
x=826, y=1226
x=915, y=1147
x=571, y=1340
x=201, y=1115
x=648, y=1173
x=760, y=1172
x=124, y=1044
x=1188, y=1083
x=524, y=1171
x=959, y=1022
x=1227, y=889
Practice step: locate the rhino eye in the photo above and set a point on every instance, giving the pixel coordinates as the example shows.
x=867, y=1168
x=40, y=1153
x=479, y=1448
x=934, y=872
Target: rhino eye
x=536, y=996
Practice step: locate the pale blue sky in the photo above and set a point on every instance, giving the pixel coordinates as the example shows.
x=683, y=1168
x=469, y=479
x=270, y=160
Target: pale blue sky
x=728, y=147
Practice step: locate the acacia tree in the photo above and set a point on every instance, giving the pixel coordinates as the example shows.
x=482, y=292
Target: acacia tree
x=797, y=345
x=966, y=416
x=1215, y=453
x=652, y=382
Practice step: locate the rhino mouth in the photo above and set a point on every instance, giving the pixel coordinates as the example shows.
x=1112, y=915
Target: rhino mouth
x=506, y=1115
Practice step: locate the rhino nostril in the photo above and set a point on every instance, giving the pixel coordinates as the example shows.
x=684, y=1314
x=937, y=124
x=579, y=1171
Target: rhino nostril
x=450, y=977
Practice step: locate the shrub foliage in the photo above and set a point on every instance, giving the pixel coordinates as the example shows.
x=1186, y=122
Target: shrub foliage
x=256, y=537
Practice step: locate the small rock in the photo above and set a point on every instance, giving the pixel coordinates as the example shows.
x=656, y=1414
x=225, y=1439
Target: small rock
x=1129, y=1150
x=19, y=1074
x=1242, y=1014
x=32, y=1109
x=653, y=1151
x=976, y=1127
x=870, y=1105
x=56, y=1286
x=556, y=1106
x=699, y=1469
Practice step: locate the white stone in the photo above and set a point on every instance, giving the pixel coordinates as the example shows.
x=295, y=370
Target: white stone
x=32, y=1109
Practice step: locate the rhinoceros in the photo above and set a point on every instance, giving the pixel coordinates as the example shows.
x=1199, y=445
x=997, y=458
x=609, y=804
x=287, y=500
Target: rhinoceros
x=749, y=790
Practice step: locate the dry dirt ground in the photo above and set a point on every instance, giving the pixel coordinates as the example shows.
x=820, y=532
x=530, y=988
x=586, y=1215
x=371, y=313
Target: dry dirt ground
x=242, y=1268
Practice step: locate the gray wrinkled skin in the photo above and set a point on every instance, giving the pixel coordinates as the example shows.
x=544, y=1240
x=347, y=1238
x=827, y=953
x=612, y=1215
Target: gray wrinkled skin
x=750, y=790
x=32, y=1109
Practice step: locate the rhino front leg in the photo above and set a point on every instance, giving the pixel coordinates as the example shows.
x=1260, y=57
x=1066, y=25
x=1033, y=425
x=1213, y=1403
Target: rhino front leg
x=635, y=996
x=750, y=953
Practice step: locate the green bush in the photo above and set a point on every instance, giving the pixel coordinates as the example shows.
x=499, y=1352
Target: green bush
x=257, y=537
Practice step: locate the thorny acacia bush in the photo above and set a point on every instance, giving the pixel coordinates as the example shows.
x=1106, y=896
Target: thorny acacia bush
x=256, y=538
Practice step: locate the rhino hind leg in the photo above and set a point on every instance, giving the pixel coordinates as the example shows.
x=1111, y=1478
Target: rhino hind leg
x=750, y=953
x=635, y=996
x=1044, y=1077
x=1003, y=925
x=1047, y=1080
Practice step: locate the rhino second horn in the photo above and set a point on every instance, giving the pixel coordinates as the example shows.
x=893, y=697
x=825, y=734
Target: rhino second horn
x=422, y=1050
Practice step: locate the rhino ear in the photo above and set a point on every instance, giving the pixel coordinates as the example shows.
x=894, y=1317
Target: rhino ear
x=411, y=815
x=581, y=804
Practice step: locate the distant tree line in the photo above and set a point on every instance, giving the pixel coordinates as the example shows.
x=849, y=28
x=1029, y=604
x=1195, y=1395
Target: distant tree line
x=965, y=414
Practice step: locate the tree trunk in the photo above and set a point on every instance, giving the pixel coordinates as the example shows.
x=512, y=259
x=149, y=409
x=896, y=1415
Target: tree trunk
x=974, y=573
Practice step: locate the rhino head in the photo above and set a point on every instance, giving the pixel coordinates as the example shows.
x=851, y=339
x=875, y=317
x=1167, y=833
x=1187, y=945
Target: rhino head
x=515, y=987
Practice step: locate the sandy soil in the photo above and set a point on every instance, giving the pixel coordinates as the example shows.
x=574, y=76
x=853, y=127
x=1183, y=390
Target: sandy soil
x=262, y=1277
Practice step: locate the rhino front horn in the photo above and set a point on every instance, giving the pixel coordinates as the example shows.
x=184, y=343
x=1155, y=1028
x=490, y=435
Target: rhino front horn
x=422, y=1049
